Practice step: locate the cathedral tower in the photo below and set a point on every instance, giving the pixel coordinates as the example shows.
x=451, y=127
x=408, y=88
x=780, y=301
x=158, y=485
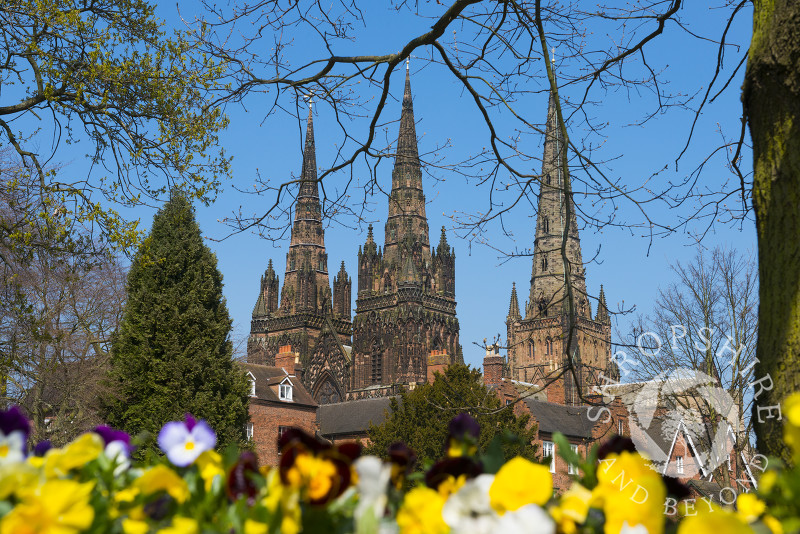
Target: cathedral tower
x=538, y=339
x=405, y=306
x=310, y=319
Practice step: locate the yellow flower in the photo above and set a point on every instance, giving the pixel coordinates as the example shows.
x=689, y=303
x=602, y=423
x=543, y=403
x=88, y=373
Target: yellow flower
x=210, y=465
x=287, y=500
x=791, y=427
x=520, y=482
x=714, y=521
x=767, y=481
x=181, y=525
x=451, y=485
x=630, y=492
x=162, y=478
x=55, y=507
x=749, y=507
x=421, y=513
x=15, y=477
x=255, y=527
x=773, y=524
x=313, y=475
x=59, y=462
x=572, y=508
x=134, y=526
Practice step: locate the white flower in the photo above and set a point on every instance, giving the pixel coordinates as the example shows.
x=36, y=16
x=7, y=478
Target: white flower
x=468, y=509
x=373, y=478
x=117, y=452
x=627, y=529
x=530, y=519
x=12, y=447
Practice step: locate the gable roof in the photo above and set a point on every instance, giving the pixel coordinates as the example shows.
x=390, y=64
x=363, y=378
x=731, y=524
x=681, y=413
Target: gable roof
x=569, y=420
x=267, y=376
x=352, y=417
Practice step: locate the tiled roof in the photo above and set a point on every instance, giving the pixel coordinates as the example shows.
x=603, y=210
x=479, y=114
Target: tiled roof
x=267, y=376
x=569, y=420
x=352, y=417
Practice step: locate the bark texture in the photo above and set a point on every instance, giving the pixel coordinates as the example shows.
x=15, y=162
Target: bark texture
x=772, y=103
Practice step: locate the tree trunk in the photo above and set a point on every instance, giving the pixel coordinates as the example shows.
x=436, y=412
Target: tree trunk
x=771, y=96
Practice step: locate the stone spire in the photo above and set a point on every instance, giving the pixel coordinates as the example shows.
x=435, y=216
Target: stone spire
x=602, y=309
x=407, y=224
x=513, y=306
x=548, y=274
x=307, y=257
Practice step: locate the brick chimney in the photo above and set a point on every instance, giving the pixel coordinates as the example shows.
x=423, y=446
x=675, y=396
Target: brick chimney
x=493, y=365
x=438, y=361
x=286, y=358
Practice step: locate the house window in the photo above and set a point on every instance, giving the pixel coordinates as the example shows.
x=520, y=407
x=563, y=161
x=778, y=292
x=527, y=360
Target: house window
x=285, y=391
x=281, y=430
x=573, y=469
x=548, y=450
x=679, y=464
x=249, y=431
x=620, y=427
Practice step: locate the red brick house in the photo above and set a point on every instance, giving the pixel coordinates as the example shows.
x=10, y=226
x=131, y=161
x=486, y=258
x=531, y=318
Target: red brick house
x=278, y=400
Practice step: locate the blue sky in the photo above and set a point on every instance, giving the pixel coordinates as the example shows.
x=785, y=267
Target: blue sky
x=630, y=267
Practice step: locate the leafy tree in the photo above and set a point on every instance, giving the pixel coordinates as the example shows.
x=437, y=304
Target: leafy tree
x=172, y=353
x=103, y=74
x=420, y=417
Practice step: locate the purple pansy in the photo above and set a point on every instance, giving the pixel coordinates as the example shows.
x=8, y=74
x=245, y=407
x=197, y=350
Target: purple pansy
x=42, y=447
x=14, y=430
x=118, y=443
x=184, y=441
x=464, y=426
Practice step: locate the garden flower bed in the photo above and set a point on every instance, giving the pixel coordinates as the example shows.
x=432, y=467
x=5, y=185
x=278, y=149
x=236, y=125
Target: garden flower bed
x=91, y=485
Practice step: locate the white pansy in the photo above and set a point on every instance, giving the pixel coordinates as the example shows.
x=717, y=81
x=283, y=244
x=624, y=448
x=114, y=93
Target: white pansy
x=468, y=509
x=530, y=519
x=373, y=478
x=12, y=447
x=638, y=529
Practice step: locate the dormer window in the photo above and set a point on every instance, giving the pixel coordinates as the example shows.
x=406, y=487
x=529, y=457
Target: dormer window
x=285, y=390
x=252, y=380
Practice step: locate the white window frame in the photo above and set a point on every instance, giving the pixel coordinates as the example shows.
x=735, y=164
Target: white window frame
x=285, y=390
x=573, y=469
x=252, y=380
x=549, y=449
x=620, y=427
x=679, y=465
x=249, y=430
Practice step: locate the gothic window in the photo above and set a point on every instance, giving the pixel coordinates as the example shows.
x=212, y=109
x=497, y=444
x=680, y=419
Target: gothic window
x=531, y=349
x=542, y=307
x=548, y=347
x=328, y=394
x=545, y=225
x=544, y=263
x=291, y=263
x=377, y=364
x=547, y=178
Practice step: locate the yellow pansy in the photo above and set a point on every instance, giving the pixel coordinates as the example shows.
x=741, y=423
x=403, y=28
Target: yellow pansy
x=791, y=426
x=421, y=513
x=134, y=526
x=520, y=482
x=715, y=520
x=312, y=475
x=285, y=500
x=572, y=508
x=451, y=485
x=162, y=478
x=773, y=524
x=629, y=492
x=15, y=477
x=767, y=481
x=255, y=527
x=181, y=525
x=55, y=507
x=750, y=507
x=210, y=465
x=59, y=462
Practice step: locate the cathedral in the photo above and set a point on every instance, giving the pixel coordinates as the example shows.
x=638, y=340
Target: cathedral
x=405, y=316
x=557, y=330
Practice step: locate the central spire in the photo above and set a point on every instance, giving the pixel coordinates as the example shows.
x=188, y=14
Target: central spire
x=407, y=224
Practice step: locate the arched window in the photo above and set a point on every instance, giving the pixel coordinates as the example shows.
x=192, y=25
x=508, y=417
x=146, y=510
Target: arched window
x=547, y=178
x=548, y=347
x=377, y=363
x=544, y=263
x=545, y=225
x=531, y=349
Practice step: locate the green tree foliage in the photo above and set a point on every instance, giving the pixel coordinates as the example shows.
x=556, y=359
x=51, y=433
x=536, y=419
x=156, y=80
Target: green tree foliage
x=172, y=353
x=420, y=418
x=105, y=75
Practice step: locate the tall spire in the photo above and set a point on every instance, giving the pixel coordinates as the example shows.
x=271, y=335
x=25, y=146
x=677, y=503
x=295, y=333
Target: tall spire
x=548, y=295
x=407, y=224
x=602, y=308
x=513, y=305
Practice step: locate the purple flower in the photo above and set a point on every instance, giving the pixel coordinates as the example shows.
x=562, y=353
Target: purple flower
x=118, y=446
x=463, y=426
x=42, y=447
x=184, y=441
x=14, y=430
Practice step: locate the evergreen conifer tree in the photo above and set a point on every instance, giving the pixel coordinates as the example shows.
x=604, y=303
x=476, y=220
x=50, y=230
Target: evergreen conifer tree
x=172, y=353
